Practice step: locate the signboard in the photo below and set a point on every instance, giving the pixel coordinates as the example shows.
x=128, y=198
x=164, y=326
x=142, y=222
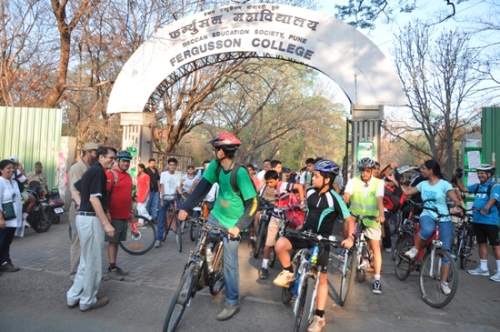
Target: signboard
x=315, y=39
x=365, y=150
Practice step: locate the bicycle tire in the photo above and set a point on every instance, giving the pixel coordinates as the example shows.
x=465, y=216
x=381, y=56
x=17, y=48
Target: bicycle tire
x=430, y=285
x=193, y=228
x=456, y=245
x=216, y=276
x=347, y=278
x=361, y=271
x=141, y=242
x=272, y=257
x=466, y=251
x=259, y=239
x=396, y=246
x=402, y=264
x=181, y=299
x=305, y=305
x=286, y=294
x=178, y=233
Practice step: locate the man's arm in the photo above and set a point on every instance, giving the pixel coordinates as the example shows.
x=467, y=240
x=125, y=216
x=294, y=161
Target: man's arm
x=99, y=211
x=251, y=206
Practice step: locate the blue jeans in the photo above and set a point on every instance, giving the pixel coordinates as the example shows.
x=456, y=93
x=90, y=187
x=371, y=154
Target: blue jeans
x=154, y=199
x=427, y=226
x=231, y=269
x=161, y=218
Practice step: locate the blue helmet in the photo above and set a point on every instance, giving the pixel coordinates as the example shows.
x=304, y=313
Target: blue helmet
x=327, y=166
x=123, y=155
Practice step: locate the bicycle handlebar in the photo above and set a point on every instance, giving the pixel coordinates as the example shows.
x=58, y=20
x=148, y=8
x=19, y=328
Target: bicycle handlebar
x=310, y=235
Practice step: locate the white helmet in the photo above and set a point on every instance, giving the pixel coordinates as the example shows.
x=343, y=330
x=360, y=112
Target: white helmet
x=14, y=159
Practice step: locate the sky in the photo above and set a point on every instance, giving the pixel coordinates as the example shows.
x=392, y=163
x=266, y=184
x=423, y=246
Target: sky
x=383, y=34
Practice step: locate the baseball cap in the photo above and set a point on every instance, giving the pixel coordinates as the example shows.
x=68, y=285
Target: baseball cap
x=14, y=159
x=90, y=146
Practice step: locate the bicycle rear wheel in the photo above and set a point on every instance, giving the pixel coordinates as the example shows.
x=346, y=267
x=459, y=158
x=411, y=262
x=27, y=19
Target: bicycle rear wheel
x=216, y=277
x=272, y=257
x=466, y=250
x=181, y=299
x=260, y=240
x=402, y=264
x=430, y=279
x=193, y=226
x=347, y=278
x=305, y=305
x=140, y=240
x=178, y=234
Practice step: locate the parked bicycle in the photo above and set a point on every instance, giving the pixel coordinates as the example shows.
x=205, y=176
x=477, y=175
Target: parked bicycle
x=172, y=219
x=463, y=239
x=205, y=267
x=429, y=262
x=305, y=286
x=142, y=236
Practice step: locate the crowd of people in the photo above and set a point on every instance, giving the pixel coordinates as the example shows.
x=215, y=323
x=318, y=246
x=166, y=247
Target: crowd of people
x=101, y=190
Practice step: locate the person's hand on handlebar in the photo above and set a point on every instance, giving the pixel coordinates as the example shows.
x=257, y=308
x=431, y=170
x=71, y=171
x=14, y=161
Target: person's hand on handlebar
x=380, y=219
x=182, y=215
x=233, y=232
x=484, y=211
x=348, y=243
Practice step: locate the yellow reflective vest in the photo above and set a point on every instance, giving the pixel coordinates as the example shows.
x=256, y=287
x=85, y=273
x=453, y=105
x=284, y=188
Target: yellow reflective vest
x=361, y=205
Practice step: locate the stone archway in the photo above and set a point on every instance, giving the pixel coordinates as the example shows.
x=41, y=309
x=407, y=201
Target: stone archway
x=257, y=30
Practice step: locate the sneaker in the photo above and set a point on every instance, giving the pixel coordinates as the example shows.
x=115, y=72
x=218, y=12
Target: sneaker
x=228, y=312
x=317, y=324
x=412, y=253
x=389, y=250
x=9, y=267
x=284, y=279
x=115, y=275
x=263, y=273
x=496, y=276
x=377, y=287
x=122, y=272
x=99, y=303
x=445, y=288
x=157, y=244
x=479, y=272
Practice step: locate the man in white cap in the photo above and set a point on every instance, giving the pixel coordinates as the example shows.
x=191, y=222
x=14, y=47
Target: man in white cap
x=89, y=156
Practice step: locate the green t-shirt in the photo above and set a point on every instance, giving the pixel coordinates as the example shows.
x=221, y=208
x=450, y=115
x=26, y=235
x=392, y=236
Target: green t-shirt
x=229, y=207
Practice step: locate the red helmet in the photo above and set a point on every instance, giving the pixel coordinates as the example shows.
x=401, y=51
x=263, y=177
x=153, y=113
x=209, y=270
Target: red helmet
x=226, y=141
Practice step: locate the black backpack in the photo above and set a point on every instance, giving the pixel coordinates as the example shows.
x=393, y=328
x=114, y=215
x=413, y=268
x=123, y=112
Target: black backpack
x=234, y=171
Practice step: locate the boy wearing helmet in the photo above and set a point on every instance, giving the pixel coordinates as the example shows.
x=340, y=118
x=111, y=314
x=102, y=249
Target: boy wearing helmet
x=366, y=196
x=232, y=210
x=119, y=187
x=485, y=217
x=324, y=206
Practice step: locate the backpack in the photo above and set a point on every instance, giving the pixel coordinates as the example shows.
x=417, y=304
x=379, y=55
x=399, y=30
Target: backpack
x=234, y=171
x=293, y=214
x=393, y=198
x=488, y=192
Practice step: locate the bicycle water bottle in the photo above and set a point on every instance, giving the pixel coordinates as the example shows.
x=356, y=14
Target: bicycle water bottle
x=314, y=257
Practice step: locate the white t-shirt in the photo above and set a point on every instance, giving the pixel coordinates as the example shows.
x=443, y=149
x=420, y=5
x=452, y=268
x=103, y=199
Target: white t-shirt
x=260, y=176
x=170, y=182
x=187, y=182
x=212, y=194
x=379, y=193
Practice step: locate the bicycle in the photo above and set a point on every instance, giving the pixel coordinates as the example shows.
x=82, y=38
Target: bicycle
x=407, y=225
x=141, y=238
x=261, y=231
x=463, y=239
x=205, y=267
x=171, y=218
x=307, y=273
x=429, y=262
x=194, y=226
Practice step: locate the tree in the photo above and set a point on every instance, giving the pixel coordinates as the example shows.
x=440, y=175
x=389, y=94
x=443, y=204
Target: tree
x=442, y=81
x=364, y=13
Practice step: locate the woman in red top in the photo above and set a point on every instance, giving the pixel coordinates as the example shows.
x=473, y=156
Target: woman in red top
x=142, y=194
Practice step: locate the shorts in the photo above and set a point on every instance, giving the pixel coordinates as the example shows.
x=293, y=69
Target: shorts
x=272, y=231
x=373, y=233
x=120, y=226
x=324, y=252
x=25, y=196
x=487, y=232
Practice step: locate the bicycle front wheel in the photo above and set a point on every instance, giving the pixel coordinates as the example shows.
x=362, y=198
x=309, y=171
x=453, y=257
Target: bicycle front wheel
x=193, y=229
x=402, y=264
x=431, y=288
x=181, y=299
x=216, y=276
x=306, y=305
x=260, y=240
x=178, y=234
x=140, y=240
x=347, y=278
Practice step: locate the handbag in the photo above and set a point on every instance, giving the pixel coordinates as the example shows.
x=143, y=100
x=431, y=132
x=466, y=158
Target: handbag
x=8, y=210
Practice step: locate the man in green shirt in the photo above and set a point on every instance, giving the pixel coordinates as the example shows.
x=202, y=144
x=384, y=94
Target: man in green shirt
x=232, y=210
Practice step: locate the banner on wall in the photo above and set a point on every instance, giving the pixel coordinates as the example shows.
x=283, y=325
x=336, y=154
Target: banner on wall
x=365, y=150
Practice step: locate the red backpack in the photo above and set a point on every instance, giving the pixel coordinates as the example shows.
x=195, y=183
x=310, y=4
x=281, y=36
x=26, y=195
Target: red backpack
x=295, y=215
x=393, y=198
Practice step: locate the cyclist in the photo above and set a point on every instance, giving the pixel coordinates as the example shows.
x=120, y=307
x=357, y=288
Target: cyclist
x=366, y=195
x=232, y=210
x=170, y=184
x=282, y=195
x=485, y=217
x=437, y=190
x=324, y=206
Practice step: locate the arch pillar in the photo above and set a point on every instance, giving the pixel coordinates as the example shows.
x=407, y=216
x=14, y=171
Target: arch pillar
x=137, y=130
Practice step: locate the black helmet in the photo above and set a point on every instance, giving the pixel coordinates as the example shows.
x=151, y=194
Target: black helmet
x=123, y=155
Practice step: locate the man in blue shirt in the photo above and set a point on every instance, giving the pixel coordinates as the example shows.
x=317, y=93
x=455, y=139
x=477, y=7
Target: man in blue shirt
x=485, y=217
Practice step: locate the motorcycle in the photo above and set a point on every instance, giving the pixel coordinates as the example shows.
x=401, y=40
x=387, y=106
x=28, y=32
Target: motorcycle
x=38, y=217
x=56, y=204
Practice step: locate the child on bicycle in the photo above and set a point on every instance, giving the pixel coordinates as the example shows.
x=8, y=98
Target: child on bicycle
x=324, y=206
x=282, y=192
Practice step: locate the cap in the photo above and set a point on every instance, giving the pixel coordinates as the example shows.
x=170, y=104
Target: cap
x=14, y=159
x=90, y=146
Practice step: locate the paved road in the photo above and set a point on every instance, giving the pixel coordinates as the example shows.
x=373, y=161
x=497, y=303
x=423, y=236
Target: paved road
x=33, y=299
